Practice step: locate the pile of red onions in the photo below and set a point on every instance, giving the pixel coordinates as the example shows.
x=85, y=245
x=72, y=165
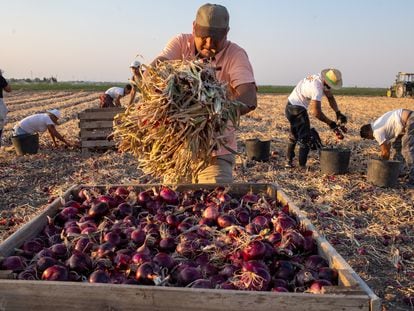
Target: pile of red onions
x=197, y=238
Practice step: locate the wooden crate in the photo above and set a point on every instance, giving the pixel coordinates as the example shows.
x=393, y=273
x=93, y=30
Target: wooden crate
x=352, y=293
x=95, y=126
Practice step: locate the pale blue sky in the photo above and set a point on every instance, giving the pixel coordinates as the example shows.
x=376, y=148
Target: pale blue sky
x=96, y=40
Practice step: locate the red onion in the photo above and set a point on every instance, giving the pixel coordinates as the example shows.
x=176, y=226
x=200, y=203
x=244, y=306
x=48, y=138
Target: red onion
x=169, y=195
x=261, y=221
x=59, y=250
x=250, y=198
x=110, y=201
x=99, y=276
x=79, y=262
x=144, y=196
x=283, y=222
x=211, y=213
x=15, y=263
x=172, y=220
x=98, y=209
x=74, y=204
x=56, y=273
x=328, y=274
x=113, y=238
x=167, y=244
x=122, y=260
x=45, y=262
x=228, y=270
x=304, y=278
x=32, y=247
x=124, y=209
x=138, y=237
x=274, y=238
x=188, y=275
x=316, y=286
x=84, y=245
x=164, y=260
x=140, y=258
x=255, y=250
x=145, y=274
x=315, y=262
x=121, y=192
x=28, y=274
x=279, y=289
x=292, y=239
x=225, y=221
x=284, y=270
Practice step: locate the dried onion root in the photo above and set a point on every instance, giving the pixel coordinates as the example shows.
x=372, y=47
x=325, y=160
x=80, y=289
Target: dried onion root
x=179, y=121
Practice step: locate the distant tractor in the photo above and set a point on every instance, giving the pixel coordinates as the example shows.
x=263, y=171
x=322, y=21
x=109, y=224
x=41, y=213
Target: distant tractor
x=403, y=85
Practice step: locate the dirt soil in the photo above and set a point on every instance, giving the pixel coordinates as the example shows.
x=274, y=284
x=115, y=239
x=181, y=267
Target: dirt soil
x=371, y=227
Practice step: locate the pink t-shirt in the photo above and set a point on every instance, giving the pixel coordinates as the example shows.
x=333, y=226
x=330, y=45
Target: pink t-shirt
x=233, y=67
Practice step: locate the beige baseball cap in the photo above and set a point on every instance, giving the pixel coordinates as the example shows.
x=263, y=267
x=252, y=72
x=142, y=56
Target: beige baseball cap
x=212, y=20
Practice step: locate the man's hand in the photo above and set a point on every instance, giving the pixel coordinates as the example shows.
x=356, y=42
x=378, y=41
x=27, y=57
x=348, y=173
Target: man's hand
x=332, y=125
x=342, y=119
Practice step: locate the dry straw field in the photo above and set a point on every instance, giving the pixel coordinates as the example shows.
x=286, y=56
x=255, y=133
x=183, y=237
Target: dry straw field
x=371, y=227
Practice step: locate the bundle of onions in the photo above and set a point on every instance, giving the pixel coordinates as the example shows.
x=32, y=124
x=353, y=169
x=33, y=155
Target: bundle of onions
x=179, y=121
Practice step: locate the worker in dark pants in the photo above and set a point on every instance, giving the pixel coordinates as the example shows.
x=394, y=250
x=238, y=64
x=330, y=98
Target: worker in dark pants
x=306, y=97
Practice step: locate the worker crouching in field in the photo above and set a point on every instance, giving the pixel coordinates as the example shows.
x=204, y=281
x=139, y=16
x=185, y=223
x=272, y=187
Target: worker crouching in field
x=39, y=123
x=395, y=126
x=306, y=97
x=112, y=97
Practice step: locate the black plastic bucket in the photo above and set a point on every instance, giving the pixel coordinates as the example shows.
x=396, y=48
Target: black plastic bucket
x=258, y=150
x=383, y=173
x=26, y=143
x=334, y=160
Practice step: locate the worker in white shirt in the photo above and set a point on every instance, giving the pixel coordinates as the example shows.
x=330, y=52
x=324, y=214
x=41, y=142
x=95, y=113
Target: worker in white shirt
x=306, y=98
x=112, y=97
x=39, y=123
x=394, y=126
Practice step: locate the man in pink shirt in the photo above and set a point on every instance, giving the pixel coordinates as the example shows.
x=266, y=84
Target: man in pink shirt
x=208, y=41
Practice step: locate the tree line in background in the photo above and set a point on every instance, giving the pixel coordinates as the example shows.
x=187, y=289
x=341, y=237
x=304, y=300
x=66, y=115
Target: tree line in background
x=49, y=80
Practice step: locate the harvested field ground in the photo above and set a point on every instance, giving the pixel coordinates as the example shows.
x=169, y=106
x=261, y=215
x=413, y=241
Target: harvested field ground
x=371, y=227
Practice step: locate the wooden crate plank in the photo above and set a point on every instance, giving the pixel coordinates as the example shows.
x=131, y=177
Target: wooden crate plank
x=97, y=143
x=95, y=124
x=35, y=295
x=101, y=115
x=109, y=109
x=32, y=228
x=86, y=133
x=7, y=274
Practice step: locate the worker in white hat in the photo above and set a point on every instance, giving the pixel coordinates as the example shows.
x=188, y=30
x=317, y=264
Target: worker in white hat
x=306, y=98
x=136, y=70
x=39, y=123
